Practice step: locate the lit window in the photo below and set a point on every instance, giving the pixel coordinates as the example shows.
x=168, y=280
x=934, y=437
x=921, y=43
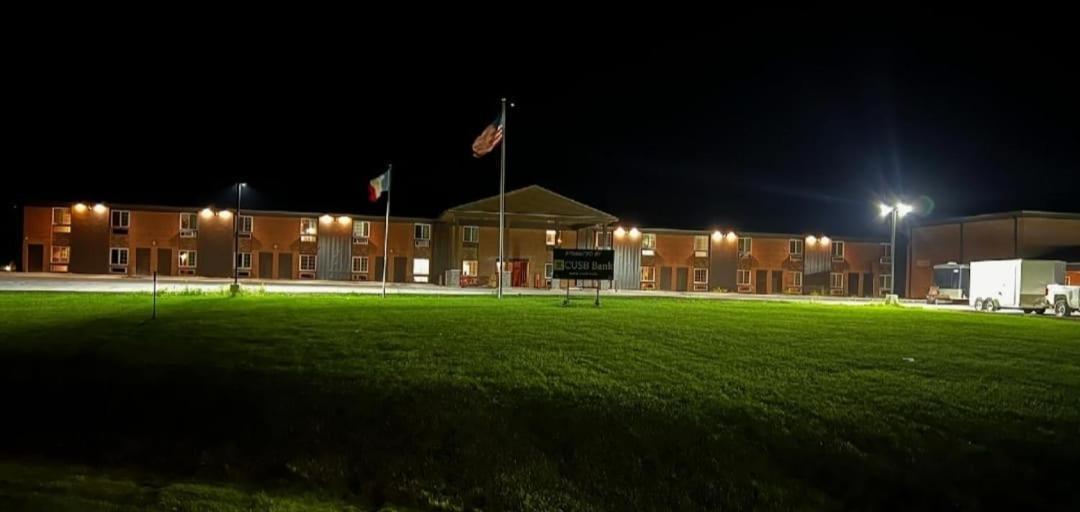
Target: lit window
x=886, y=283
x=243, y=260
x=795, y=247
x=701, y=245
x=602, y=239
x=838, y=251
x=361, y=229
x=245, y=223
x=886, y=253
x=836, y=280
x=61, y=216
x=469, y=268
x=648, y=241
x=796, y=279
x=549, y=270
x=61, y=254
x=742, y=277
x=421, y=231
x=307, y=262
x=309, y=229
x=188, y=259
x=550, y=236
x=121, y=219
x=648, y=274
x=420, y=268
x=118, y=256
x=701, y=276
x=470, y=234
x=189, y=225
x=745, y=245
x=360, y=264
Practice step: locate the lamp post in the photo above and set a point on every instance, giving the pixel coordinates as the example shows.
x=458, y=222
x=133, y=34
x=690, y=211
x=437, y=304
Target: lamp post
x=896, y=211
x=236, y=237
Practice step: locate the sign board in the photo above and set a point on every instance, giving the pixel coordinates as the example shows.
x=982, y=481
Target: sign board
x=584, y=264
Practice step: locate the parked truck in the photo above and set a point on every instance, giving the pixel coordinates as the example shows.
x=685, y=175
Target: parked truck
x=1064, y=298
x=1014, y=284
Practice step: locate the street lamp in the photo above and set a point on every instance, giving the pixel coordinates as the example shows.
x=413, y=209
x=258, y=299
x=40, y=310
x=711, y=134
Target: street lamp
x=896, y=211
x=236, y=237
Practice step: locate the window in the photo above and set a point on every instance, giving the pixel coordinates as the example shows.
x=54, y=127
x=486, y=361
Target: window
x=470, y=234
x=796, y=279
x=701, y=246
x=188, y=259
x=886, y=283
x=470, y=268
x=61, y=254
x=121, y=219
x=549, y=270
x=421, y=231
x=118, y=256
x=309, y=229
x=361, y=230
x=420, y=267
x=551, y=236
x=745, y=244
x=836, y=280
x=838, y=251
x=602, y=239
x=61, y=216
x=189, y=225
x=648, y=241
x=701, y=276
x=307, y=262
x=244, y=224
x=742, y=277
x=648, y=274
x=795, y=247
x=243, y=260
x=360, y=264
x=886, y=253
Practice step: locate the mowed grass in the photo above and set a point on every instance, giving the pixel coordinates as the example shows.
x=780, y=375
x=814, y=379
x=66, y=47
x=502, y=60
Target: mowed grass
x=320, y=402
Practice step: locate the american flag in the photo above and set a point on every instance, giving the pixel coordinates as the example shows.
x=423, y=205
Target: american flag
x=489, y=138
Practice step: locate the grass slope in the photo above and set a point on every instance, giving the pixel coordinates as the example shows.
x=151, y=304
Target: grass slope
x=460, y=403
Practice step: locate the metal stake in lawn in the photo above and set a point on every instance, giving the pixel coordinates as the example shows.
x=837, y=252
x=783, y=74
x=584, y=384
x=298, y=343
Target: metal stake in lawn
x=153, y=315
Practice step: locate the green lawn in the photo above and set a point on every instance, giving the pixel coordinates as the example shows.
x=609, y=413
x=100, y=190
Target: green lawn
x=312, y=402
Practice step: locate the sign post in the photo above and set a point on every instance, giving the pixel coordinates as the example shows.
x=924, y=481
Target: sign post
x=597, y=265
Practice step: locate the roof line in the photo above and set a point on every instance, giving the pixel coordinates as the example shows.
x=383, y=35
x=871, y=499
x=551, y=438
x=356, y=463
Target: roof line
x=461, y=207
x=999, y=215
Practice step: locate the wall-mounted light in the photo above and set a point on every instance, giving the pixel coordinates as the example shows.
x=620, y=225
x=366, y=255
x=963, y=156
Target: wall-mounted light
x=634, y=233
x=99, y=208
x=731, y=236
x=811, y=240
x=80, y=207
x=206, y=213
x=717, y=236
x=225, y=214
x=344, y=219
x=825, y=240
x=620, y=232
x=326, y=219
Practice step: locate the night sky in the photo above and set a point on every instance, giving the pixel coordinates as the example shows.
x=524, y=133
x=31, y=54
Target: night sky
x=779, y=121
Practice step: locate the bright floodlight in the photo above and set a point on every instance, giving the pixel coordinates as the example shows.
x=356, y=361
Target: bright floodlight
x=620, y=231
x=903, y=209
x=717, y=236
x=885, y=209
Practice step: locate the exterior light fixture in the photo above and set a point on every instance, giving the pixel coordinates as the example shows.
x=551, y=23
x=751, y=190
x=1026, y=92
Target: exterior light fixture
x=717, y=236
x=825, y=240
x=731, y=236
x=904, y=209
x=7, y=268
x=80, y=207
x=225, y=214
x=99, y=208
x=206, y=213
x=326, y=219
x=620, y=232
x=634, y=233
x=344, y=219
x=811, y=240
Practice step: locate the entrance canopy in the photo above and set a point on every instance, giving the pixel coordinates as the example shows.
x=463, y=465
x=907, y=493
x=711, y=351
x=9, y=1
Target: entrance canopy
x=532, y=206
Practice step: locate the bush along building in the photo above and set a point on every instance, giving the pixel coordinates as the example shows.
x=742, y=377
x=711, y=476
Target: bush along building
x=460, y=247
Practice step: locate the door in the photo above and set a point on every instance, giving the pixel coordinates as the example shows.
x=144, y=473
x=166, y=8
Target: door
x=853, y=283
x=777, y=281
x=164, y=262
x=284, y=265
x=761, y=281
x=378, y=268
x=142, y=261
x=868, y=285
x=266, y=265
x=682, y=278
x=35, y=258
x=519, y=273
x=400, y=264
x=335, y=258
x=665, y=278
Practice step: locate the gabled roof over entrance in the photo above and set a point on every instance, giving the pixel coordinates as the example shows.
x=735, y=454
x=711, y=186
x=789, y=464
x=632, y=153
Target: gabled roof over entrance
x=533, y=204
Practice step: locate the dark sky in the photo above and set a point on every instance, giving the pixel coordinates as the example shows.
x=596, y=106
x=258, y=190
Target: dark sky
x=773, y=121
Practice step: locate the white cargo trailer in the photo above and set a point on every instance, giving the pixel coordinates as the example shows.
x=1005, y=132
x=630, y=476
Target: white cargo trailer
x=1013, y=284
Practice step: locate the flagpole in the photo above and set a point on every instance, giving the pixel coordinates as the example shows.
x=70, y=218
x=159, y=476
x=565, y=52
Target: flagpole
x=502, y=200
x=386, y=232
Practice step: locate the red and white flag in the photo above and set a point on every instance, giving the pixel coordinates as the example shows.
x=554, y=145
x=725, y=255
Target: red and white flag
x=489, y=138
x=377, y=186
